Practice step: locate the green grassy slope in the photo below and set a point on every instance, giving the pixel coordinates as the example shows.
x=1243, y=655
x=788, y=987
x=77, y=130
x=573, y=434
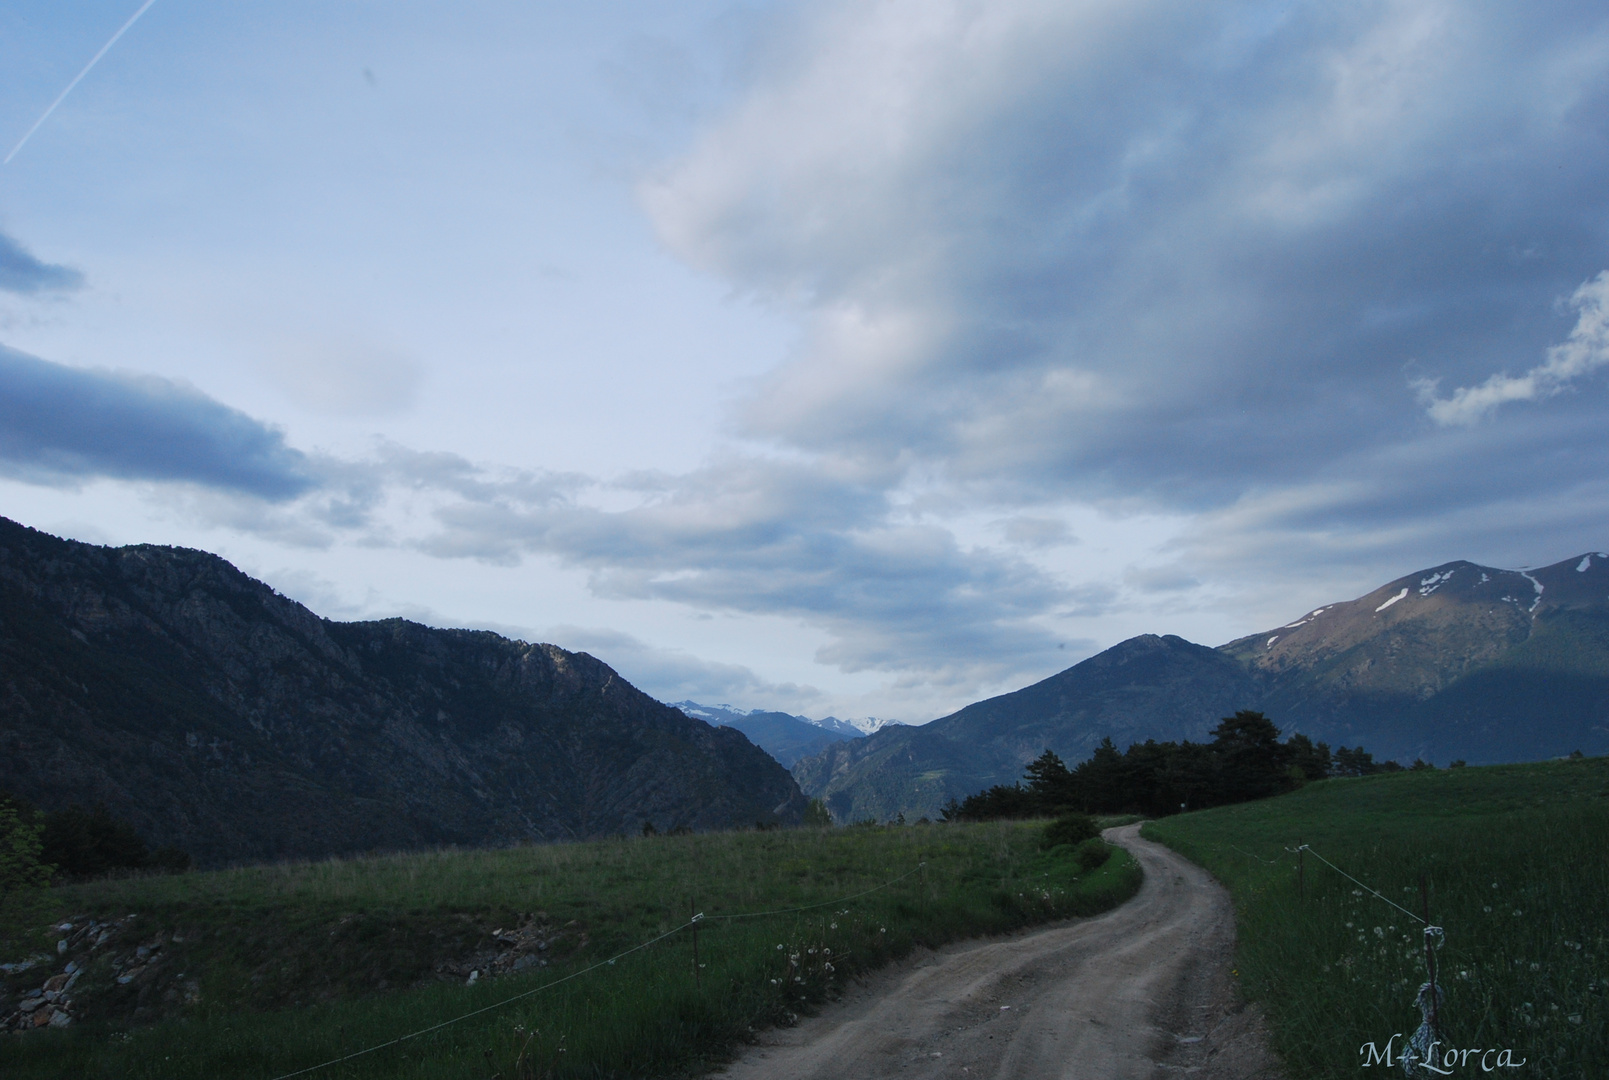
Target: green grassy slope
x=1517, y=860
x=283, y=965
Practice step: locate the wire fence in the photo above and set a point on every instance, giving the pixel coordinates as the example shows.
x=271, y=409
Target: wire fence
x=1418, y=1057
x=691, y=923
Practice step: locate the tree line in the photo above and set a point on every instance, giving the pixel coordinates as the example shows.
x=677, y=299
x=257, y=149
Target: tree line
x=74, y=844
x=1245, y=760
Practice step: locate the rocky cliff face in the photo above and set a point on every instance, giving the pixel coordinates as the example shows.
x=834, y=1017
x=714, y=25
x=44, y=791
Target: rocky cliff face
x=1458, y=661
x=218, y=716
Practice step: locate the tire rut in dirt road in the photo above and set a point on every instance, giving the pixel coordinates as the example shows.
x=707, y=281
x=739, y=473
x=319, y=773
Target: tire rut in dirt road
x=1142, y=991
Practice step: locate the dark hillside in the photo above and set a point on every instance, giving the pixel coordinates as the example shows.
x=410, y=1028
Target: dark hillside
x=1144, y=688
x=218, y=716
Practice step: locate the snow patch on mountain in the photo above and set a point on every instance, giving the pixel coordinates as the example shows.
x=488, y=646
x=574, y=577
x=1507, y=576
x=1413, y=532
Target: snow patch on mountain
x=725, y=714
x=1433, y=582
x=1538, y=585
x=866, y=725
x=1391, y=601
x=1304, y=620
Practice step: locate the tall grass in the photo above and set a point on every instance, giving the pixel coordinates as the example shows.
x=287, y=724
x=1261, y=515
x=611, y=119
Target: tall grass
x=649, y=1014
x=1516, y=862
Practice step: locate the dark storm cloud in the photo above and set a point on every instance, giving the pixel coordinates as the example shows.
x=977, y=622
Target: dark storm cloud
x=63, y=425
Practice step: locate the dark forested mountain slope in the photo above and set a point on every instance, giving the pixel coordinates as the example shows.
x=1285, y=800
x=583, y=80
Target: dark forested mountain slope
x=218, y=716
x=1146, y=687
x=1458, y=661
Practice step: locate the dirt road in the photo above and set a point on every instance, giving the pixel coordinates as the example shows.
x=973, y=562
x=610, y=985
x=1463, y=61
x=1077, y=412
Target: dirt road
x=1141, y=992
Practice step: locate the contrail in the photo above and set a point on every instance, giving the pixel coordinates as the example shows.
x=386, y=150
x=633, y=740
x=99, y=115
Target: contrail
x=95, y=60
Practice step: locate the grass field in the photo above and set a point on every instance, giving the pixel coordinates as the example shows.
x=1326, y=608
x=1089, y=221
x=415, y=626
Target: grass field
x=1517, y=860
x=274, y=969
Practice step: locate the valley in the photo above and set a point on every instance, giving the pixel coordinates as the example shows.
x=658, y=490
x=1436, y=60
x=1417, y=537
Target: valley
x=398, y=825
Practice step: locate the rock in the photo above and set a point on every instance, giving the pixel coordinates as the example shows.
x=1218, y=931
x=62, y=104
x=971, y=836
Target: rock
x=30, y=1004
x=61, y=946
x=59, y=1019
x=56, y=982
x=474, y=976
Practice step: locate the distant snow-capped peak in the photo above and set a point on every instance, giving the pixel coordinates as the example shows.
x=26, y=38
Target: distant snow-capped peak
x=718, y=714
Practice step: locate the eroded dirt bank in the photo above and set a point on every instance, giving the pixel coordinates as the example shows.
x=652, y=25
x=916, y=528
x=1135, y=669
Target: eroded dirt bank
x=1141, y=992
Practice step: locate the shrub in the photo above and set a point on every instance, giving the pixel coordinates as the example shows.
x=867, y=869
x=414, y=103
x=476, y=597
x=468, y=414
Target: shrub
x=816, y=815
x=20, y=867
x=1092, y=853
x=1068, y=829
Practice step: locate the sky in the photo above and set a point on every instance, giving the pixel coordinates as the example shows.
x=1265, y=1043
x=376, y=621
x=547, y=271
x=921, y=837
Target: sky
x=860, y=358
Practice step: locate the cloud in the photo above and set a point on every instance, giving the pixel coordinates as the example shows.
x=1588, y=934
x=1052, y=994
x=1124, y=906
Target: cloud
x=21, y=272
x=1586, y=350
x=1159, y=579
x=346, y=379
x=757, y=536
x=1177, y=258
x=677, y=675
x=1036, y=532
x=1157, y=248
x=62, y=425
x=1089, y=600
x=1184, y=262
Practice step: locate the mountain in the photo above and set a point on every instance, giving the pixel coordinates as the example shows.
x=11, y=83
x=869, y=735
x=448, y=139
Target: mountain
x=859, y=725
x=785, y=737
x=1457, y=661
x=215, y=715
x=1132, y=691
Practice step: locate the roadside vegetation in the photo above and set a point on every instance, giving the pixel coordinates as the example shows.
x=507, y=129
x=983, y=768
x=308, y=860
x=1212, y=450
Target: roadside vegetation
x=261, y=971
x=1513, y=861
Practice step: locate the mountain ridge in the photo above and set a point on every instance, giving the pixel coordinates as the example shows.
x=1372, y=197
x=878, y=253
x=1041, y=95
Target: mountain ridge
x=216, y=715
x=1458, y=660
